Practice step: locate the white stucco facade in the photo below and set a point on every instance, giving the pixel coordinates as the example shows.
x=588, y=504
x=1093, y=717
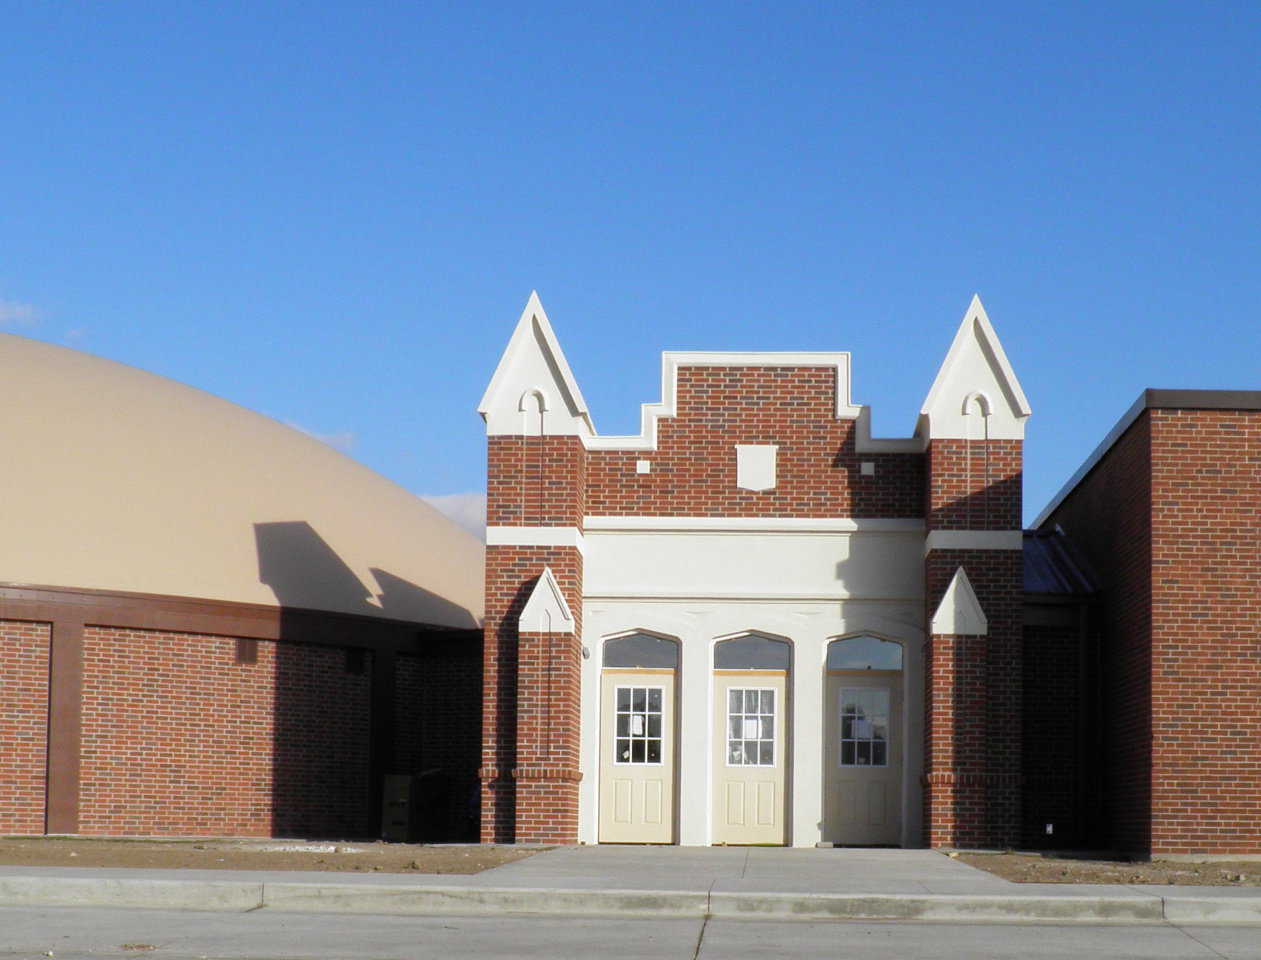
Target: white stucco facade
x=802, y=583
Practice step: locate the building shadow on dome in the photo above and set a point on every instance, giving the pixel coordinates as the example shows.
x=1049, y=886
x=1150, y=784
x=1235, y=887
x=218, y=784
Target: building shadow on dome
x=367, y=685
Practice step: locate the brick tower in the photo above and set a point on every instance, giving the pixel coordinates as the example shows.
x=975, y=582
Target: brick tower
x=536, y=420
x=973, y=424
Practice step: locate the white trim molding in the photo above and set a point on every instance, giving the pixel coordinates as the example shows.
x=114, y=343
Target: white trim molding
x=974, y=540
x=751, y=524
x=535, y=537
x=546, y=611
x=975, y=369
x=533, y=364
x=960, y=613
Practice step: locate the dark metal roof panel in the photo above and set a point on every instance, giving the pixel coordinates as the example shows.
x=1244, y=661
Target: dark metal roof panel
x=1052, y=565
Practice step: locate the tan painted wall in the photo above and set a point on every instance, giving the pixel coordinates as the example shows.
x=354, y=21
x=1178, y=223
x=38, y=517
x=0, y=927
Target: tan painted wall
x=117, y=479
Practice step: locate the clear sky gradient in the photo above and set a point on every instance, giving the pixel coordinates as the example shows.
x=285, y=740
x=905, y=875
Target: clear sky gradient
x=333, y=213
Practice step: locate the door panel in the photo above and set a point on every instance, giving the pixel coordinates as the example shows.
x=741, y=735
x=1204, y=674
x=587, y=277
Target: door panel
x=749, y=761
x=637, y=756
x=863, y=757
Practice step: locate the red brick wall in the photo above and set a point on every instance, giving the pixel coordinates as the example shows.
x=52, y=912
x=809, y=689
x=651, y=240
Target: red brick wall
x=1206, y=631
x=511, y=573
x=974, y=684
x=975, y=485
x=1108, y=517
x=179, y=738
x=973, y=706
x=535, y=481
x=694, y=466
x=546, y=771
x=24, y=652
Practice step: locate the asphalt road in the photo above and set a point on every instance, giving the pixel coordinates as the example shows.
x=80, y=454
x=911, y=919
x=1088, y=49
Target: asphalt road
x=67, y=933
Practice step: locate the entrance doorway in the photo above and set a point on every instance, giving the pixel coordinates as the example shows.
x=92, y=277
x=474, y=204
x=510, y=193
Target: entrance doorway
x=749, y=746
x=863, y=742
x=637, y=737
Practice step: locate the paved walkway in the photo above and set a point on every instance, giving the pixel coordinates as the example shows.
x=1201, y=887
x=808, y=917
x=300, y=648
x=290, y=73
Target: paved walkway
x=651, y=881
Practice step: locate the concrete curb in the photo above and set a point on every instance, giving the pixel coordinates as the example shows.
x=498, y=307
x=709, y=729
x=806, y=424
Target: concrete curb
x=233, y=895
x=415, y=899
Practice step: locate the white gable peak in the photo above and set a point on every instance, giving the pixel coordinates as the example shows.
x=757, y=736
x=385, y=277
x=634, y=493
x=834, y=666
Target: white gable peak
x=533, y=392
x=960, y=613
x=976, y=394
x=546, y=611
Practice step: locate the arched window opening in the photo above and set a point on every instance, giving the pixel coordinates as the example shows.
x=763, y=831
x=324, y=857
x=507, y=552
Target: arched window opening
x=752, y=653
x=864, y=653
x=642, y=650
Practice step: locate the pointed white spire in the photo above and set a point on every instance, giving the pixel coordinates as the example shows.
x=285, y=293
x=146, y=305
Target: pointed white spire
x=959, y=612
x=533, y=390
x=976, y=394
x=546, y=611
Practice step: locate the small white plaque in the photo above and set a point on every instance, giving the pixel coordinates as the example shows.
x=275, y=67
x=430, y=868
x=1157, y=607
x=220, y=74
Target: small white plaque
x=755, y=466
x=643, y=466
x=868, y=468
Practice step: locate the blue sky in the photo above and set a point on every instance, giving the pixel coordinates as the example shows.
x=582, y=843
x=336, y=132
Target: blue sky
x=333, y=213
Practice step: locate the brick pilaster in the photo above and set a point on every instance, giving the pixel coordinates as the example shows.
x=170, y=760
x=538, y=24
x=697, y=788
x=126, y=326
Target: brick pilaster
x=532, y=482
x=973, y=683
x=546, y=774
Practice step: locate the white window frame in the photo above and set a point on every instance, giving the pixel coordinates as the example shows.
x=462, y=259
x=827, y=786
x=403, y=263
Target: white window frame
x=632, y=687
x=726, y=733
x=841, y=739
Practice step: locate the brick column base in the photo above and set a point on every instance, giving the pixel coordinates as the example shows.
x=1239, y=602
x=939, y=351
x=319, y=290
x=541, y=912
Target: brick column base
x=970, y=810
x=547, y=805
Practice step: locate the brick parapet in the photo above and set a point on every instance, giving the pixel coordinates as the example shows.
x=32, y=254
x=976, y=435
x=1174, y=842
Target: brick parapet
x=693, y=467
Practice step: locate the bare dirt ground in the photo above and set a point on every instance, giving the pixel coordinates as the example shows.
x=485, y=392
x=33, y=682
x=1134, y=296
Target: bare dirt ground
x=342, y=857
x=1062, y=868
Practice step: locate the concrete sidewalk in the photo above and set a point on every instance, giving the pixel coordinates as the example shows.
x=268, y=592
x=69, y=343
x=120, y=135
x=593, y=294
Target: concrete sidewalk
x=726, y=882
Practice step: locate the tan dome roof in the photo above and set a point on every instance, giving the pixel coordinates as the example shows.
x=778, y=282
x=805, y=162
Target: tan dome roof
x=117, y=479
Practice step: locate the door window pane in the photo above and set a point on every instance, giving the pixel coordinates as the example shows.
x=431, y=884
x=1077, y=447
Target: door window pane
x=751, y=728
x=864, y=715
x=638, y=725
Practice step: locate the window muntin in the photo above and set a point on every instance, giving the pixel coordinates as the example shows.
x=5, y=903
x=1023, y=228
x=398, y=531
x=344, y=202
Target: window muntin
x=637, y=731
x=864, y=727
x=750, y=727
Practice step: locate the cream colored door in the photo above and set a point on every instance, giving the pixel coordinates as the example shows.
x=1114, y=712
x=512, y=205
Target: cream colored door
x=863, y=757
x=749, y=757
x=637, y=756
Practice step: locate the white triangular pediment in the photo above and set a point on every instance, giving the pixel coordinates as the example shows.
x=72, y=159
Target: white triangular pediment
x=546, y=611
x=976, y=394
x=959, y=612
x=533, y=391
